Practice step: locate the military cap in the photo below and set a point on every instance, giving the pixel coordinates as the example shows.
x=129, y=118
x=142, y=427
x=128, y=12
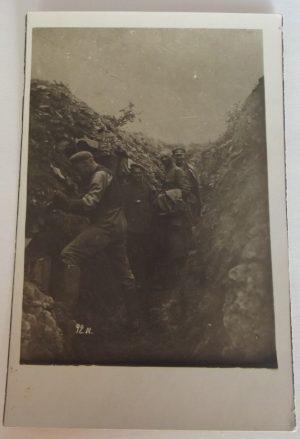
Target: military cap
x=86, y=142
x=166, y=153
x=178, y=149
x=81, y=156
x=137, y=165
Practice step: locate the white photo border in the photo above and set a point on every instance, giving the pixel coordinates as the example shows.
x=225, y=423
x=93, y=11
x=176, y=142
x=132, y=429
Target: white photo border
x=164, y=397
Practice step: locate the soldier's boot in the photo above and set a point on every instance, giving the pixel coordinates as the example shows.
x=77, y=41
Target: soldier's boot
x=70, y=286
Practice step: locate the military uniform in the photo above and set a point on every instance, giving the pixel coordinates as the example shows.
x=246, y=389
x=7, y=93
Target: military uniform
x=173, y=230
x=194, y=197
x=175, y=178
x=105, y=234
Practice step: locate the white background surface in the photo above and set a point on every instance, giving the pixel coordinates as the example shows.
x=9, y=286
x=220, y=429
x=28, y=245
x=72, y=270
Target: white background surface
x=12, y=28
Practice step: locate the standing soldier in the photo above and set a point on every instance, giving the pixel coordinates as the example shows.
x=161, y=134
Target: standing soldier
x=194, y=197
x=175, y=177
x=138, y=203
x=106, y=232
x=173, y=220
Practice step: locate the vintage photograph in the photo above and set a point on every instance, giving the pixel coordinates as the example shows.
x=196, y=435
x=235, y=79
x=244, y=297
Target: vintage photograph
x=147, y=238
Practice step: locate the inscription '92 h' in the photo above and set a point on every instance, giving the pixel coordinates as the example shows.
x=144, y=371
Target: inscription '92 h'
x=83, y=330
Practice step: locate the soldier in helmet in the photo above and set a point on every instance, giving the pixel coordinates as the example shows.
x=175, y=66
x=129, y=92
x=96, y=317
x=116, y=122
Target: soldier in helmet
x=106, y=233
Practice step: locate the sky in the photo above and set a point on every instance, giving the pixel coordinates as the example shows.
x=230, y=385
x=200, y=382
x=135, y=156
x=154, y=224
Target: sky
x=183, y=82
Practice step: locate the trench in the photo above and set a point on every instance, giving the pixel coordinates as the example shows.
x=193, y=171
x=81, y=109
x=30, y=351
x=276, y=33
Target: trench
x=220, y=311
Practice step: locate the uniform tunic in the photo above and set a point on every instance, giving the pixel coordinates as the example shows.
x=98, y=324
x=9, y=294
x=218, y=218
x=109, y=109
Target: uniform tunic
x=107, y=231
x=173, y=233
x=176, y=178
x=194, y=197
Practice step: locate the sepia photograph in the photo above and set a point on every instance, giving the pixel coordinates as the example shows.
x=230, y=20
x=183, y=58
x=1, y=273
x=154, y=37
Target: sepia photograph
x=150, y=219
x=147, y=220
x=151, y=261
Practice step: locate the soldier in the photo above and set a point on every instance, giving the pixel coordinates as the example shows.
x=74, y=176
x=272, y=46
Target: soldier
x=194, y=197
x=173, y=222
x=139, y=197
x=106, y=232
x=175, y=177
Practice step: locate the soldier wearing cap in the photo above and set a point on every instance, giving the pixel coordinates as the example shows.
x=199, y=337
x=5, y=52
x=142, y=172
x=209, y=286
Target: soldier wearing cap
x=106, y=233
x=194, y=197
x=173, y=224
x=175, y=177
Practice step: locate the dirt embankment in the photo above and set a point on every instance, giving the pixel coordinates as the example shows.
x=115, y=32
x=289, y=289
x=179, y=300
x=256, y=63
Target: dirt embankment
x=222, y=311
x=230, y=274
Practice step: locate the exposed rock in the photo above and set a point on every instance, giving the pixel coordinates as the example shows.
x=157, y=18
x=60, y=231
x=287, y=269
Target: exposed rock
x=248, y=314
x=42, y=339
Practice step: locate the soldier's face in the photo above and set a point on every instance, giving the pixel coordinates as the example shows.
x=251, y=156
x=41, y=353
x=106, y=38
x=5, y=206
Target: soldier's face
x=84, y=168
x=166, y=160
x=137, y=175
x=179, y=158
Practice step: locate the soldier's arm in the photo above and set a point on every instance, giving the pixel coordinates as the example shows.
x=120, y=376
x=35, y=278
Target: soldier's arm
x=93, y=197
x=197, y=183
x=182, y=182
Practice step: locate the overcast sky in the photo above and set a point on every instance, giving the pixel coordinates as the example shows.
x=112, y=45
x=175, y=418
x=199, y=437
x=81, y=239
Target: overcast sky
x=183, y=82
